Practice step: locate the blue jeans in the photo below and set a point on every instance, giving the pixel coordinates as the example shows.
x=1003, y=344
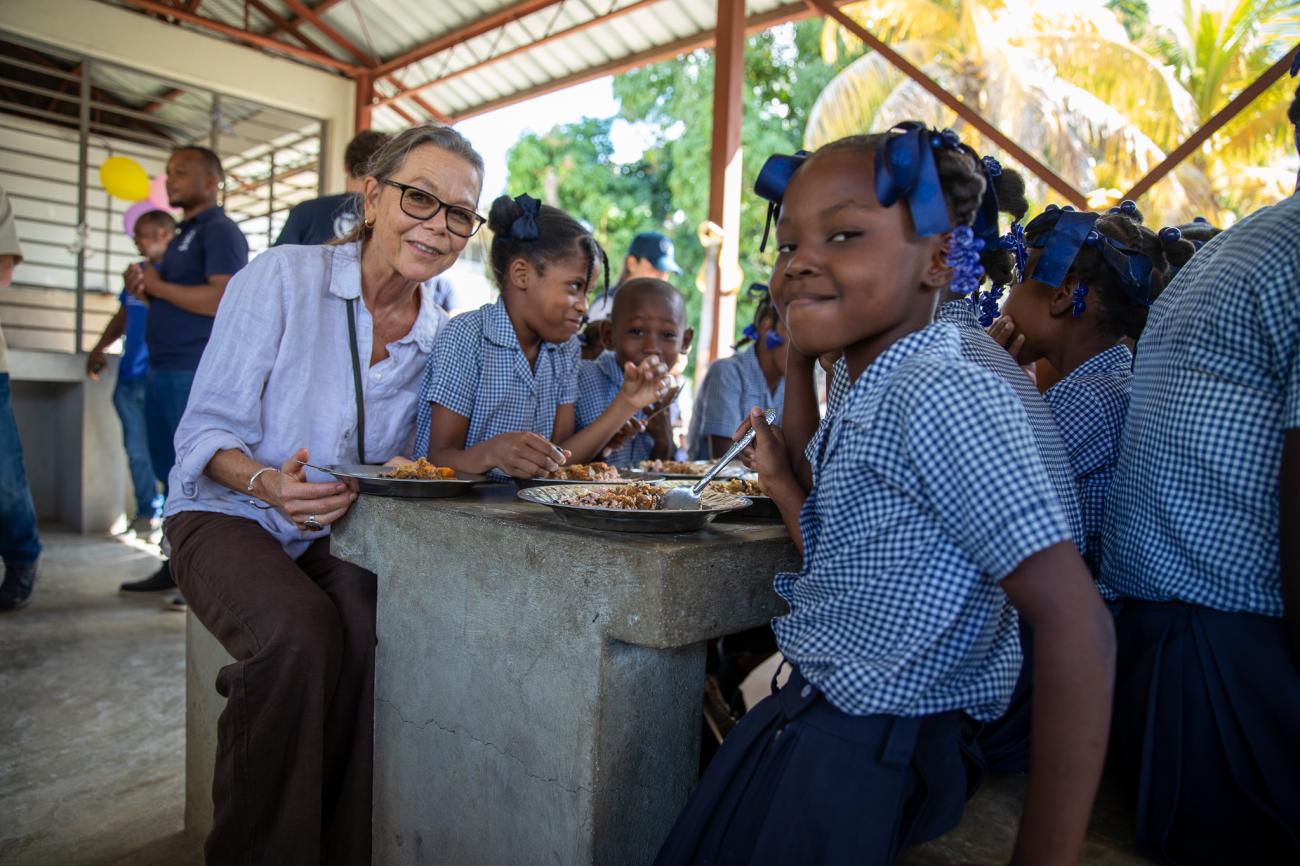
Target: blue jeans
x=166, y=393
x=19, y=543
x=129, y=401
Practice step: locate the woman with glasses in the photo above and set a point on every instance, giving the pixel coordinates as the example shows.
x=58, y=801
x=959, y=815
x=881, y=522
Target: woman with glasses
x=316, y=355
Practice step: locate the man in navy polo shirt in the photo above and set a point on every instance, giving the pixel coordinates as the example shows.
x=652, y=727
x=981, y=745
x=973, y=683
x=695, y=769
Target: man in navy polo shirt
x=183, y=293
x=332, y=217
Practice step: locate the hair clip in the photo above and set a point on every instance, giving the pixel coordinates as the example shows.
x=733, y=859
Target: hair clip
x=757, y=291
x=1093, y=239
x=1127, y=207
x=992, y=167
x=524, y=228
x=1171, y=234
x=772, y=180
x=1014, y=241
x=773, y=340
x=1076, y=299
x=1201, y=219
x=988, y=305
x=905, y=168
x=964, y=259
x=750, y=332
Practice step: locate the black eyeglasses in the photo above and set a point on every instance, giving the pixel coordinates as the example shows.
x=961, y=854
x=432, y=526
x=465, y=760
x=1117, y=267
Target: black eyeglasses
x=423, y=205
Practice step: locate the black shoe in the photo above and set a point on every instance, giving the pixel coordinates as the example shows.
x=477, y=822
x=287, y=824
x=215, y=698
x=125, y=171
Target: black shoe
x=20, y=582
x=157, y=582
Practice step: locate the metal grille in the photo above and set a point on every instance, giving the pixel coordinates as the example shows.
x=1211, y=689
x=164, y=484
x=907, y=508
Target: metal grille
x=61, y=116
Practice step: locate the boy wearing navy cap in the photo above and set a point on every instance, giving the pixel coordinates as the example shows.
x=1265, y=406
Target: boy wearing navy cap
x=183, y=292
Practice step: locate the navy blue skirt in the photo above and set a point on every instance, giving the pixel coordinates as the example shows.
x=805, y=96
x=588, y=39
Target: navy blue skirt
x=1207, y=732
x=798, y=781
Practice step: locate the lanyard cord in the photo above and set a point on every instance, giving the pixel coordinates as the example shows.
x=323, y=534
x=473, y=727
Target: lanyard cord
x=356, y=380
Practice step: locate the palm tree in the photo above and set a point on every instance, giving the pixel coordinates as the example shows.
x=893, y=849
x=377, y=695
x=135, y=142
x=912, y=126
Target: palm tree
x=1067, y=83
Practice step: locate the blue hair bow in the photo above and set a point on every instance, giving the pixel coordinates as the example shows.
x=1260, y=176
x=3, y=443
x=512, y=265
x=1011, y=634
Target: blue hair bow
x=772, y=180
x=524, y=228
x=905, y=168
x=1061, y=233
x=986, y=218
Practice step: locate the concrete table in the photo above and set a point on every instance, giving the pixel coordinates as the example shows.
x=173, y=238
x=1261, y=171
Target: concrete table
x=538, y=687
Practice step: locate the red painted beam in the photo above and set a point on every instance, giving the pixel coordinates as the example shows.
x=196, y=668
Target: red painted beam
x=486, y=24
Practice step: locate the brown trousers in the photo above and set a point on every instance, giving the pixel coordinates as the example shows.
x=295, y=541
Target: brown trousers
x=295, y=742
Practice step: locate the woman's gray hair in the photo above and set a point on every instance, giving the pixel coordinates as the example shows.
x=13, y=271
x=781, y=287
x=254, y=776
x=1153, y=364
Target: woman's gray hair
x=389, y=158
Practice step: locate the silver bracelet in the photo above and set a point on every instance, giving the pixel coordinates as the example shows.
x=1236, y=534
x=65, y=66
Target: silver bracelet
x=253, y=480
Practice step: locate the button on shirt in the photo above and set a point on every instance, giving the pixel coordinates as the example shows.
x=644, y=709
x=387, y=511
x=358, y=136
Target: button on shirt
x=1192, y=513
x=1089, y=406
x=478, y=371
x=731, y=388
x=204, y=245
x=279, y=378
x=897, y=608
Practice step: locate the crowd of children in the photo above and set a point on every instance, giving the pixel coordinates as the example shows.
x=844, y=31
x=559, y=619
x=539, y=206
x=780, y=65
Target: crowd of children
x=956, y=523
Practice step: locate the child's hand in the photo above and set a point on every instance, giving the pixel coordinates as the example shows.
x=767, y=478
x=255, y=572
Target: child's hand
x=1003, y=332
x=525, y=455
x=747, y=456
x=660, y=427
x=770, y=457
x=645, y=383
x=631, y=428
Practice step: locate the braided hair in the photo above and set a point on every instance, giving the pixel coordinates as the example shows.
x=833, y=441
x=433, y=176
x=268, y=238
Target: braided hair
x=960, y=175
x=1120, y=313
x=558, y=236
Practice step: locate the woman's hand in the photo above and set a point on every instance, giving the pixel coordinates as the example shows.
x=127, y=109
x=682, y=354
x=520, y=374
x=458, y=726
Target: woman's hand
x=525, y=454
x=644, y=383
x=299, y=499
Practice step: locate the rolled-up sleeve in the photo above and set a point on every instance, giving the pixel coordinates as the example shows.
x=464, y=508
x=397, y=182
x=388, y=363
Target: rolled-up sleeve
x=225, y=406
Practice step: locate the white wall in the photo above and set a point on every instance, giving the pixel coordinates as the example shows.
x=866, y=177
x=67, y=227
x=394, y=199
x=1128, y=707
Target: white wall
x=110, y=33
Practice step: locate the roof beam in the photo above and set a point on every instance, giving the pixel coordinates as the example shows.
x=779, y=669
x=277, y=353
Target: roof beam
x=965, y=112
x=294, y=23
x=486, y=24
x=310, y=17
x=753, y=24
x=1214, y=124
x=520, y=49
x=254, y=39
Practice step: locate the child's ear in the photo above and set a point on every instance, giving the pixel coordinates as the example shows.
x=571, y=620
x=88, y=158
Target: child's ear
x=1062, y=301
x=687, y=336
x=607, y=334
x=519, y=274
x=937, y=273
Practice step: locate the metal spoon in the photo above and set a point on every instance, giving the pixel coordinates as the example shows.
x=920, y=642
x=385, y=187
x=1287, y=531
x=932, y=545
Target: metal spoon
x=688, y=498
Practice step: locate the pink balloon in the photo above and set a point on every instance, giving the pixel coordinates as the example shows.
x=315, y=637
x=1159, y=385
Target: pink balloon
x=133, y=213
x=158, y=193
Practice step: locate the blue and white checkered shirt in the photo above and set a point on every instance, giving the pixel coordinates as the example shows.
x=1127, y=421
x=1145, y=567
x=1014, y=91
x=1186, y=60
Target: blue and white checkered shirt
x=1192, y=513
x=477, y=370
x=1089, y=406
x=599, y=382
x=731, y=388
x=897, y=609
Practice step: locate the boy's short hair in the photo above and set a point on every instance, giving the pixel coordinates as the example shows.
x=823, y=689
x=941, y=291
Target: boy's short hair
x=635, y=288
x=158, y=219
x=362, y=149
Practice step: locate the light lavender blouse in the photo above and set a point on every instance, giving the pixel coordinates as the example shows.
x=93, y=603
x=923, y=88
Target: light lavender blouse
x=277, y=376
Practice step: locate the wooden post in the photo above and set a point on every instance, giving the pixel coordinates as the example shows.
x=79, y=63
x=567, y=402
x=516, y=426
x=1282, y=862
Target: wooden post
x=365, y=101
x=718, y=313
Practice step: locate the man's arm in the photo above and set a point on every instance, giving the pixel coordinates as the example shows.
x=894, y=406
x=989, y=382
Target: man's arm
x=113, y=330
x=201, y=299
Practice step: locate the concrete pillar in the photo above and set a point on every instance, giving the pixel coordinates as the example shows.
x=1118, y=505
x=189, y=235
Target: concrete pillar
x=538, y=688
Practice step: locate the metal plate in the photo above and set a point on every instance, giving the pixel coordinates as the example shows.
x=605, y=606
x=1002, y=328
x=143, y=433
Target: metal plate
x=712, y=503
x=367, y=480
x=735, y=470
x=626, y=476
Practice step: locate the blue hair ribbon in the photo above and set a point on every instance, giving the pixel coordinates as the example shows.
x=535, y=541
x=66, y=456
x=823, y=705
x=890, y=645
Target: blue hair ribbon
x=1069, y=231
x=905, y=168
x=750, y=332
x=986, y=218
x=524, y=228
x=770, y=185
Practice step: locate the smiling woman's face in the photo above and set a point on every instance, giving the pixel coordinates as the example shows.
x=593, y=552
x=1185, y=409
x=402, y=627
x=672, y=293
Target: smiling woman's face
x=420, y=249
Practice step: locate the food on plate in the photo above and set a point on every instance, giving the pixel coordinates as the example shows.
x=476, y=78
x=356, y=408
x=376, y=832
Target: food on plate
x=421, y=470
x=585, y=472
x=630, y=497
x=738, y=486
x=674, y=467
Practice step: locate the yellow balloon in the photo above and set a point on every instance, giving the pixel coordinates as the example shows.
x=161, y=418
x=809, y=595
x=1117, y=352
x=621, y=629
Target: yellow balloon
x=124, y=178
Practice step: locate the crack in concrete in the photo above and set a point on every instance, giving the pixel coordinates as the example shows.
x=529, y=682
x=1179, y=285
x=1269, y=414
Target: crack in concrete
x=552, y=780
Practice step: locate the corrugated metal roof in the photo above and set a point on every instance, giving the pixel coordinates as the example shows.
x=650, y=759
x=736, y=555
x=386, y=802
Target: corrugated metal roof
x=556, y=40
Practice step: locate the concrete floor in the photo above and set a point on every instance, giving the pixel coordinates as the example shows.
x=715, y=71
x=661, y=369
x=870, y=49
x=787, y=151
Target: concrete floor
x=92, y=724
x=92, y=729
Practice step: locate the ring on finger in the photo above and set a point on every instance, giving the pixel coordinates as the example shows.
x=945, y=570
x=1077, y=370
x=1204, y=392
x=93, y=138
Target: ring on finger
x=311, y=524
